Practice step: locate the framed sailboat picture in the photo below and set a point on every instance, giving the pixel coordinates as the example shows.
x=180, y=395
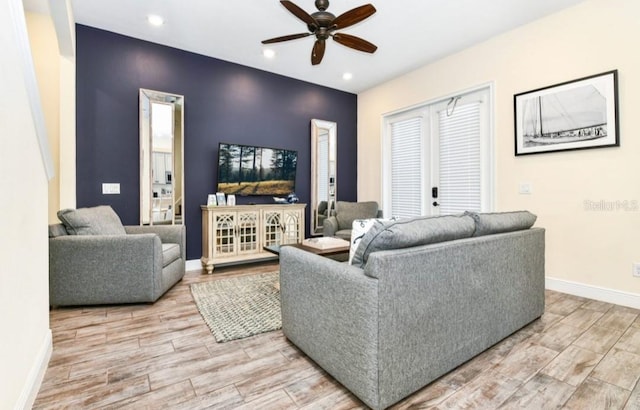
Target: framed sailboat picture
x=577, y=114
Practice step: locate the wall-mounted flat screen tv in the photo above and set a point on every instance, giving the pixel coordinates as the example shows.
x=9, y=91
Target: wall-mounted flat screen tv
x=253, y=170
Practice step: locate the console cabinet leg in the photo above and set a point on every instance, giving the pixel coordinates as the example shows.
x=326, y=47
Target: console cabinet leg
x=207, y=265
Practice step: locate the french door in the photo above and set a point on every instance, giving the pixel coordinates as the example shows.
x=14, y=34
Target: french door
x=438, y=157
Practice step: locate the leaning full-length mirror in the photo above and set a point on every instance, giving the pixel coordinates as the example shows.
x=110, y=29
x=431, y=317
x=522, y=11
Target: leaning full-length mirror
x=161, y=158
x=323, y=172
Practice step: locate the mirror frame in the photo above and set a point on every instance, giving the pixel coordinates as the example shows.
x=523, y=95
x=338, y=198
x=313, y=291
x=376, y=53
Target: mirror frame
x=332, y=183
x=147, y=97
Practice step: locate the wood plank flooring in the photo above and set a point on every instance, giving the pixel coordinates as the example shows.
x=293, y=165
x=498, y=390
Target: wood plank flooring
x=582, y=354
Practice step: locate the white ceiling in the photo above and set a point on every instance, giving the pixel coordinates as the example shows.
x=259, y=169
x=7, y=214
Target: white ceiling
x=408, y=33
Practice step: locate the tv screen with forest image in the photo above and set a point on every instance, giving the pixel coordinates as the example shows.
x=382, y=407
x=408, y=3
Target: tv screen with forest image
x=253, y=170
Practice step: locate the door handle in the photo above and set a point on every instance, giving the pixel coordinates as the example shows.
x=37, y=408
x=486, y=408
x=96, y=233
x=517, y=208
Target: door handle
x=435, y=203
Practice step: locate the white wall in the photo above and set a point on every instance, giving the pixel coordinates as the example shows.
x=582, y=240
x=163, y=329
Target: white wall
x=67, y=158
x=56, y=81
x=590, y=248
x=24, y=294
x=44, y=50
x=65, y=30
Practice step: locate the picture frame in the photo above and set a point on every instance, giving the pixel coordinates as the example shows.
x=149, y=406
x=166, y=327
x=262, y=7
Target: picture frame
x=221, y=199
x=574, y=115
x=211, y=200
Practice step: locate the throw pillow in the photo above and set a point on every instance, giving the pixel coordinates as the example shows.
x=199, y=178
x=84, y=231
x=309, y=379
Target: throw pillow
x=99, y=220
x=358, y=229
x=499, y=222
x=406, y=233
x=347, y=212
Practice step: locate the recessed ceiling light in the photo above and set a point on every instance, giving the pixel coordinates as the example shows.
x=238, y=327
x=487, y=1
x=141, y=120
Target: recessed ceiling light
x=268, y=53
x=155, y=20
x=347, y=76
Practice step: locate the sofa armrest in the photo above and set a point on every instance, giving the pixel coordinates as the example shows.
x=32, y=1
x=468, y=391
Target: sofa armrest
x=330, y=226
x=329, y=310
x=88, y=269
x=167, y=233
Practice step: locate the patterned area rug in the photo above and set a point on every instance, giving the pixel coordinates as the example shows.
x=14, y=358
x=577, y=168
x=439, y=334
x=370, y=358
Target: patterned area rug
x=235, y=308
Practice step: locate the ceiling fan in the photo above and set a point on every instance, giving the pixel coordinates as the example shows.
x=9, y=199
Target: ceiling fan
x=322, y=24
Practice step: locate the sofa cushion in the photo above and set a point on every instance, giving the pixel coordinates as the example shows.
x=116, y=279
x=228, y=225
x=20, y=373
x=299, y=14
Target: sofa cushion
x=405, y=233
x=347, y=212
x=170, y=253
x=343, y=234
x=99, y=220
x=499, y=222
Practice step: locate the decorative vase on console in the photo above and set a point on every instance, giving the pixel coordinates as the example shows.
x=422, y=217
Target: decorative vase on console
x=292, y=198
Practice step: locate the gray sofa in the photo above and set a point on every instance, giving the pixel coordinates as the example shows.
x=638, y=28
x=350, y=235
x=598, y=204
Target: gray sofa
x=102, y=263
x=404, y=316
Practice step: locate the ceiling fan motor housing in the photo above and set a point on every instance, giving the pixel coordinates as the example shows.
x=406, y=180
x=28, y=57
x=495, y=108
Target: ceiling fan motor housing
x=324, y=19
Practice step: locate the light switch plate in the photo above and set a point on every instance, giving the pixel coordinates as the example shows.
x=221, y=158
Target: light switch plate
x=111, y=188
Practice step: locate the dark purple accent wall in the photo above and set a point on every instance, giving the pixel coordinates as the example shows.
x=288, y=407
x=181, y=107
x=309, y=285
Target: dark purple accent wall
x=224, y=102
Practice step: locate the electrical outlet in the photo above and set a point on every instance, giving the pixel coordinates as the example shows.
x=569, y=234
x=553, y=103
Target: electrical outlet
x=636, y=270
x=525, y=188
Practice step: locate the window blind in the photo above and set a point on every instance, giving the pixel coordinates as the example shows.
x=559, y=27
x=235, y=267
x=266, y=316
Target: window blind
x=406, y=169
x=459, y=155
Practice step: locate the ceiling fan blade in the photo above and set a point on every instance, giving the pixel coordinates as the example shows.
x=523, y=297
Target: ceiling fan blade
x=353, y=16
x=299, y=13
x=318, y=52
x=285, y=38
x=355, y=42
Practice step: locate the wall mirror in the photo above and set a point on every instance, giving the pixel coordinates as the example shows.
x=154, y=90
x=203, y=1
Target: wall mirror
x=323, y=172
x=161, y=158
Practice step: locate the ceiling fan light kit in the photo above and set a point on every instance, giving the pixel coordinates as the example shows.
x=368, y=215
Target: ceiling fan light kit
x=322, y=24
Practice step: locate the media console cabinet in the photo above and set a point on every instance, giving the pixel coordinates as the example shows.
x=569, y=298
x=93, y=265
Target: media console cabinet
x=233, y=234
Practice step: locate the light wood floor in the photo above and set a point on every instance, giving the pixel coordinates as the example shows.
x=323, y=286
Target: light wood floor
x=582, y=354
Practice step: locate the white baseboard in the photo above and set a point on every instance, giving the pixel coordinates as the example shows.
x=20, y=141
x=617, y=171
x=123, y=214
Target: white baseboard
x=193, y=264
x=36, y=374
x=594, y=292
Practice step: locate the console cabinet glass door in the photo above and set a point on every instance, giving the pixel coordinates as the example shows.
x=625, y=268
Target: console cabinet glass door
x=236, y=233
x=247, y=223
x=293, y=229
x=273, y=228
x=282, y=227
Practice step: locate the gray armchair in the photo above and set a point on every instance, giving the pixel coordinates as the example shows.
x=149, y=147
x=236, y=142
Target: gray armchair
x=339, y=224
x=132, y=265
